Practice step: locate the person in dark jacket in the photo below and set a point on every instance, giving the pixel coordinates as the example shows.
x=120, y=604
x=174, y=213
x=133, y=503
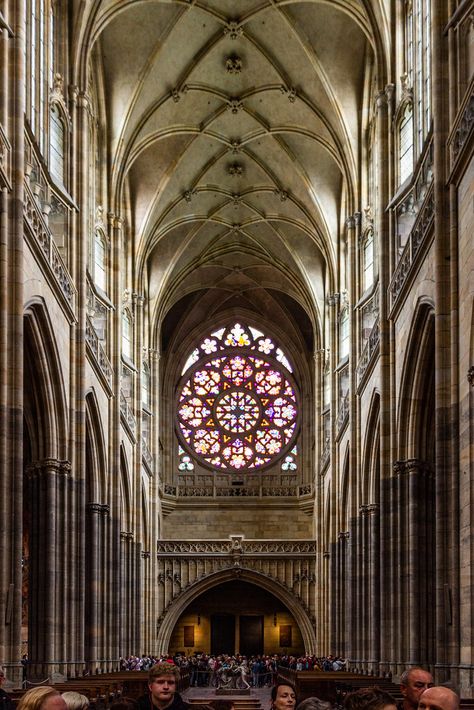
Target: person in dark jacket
x=163, y=681
x=6, y=703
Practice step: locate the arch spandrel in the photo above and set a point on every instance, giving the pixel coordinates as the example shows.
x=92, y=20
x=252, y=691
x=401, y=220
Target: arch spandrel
x=170, y=616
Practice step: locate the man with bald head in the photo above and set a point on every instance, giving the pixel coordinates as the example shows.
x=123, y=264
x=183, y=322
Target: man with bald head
x=413, y=683
x=438, y=698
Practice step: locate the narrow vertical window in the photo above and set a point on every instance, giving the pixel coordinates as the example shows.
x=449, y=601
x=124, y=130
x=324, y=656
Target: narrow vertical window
x=100, y=261
x=368, y=261
x=57, y=144
x=127, y=335
x=344, y=334
x=406, y=144
x=146, y=385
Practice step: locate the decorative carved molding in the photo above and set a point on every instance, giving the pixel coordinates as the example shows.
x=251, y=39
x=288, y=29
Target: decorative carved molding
x=332, y=299
x=145, y=554
x=178, y=93
x=44, y=242
x=188, y=195
x=289, y=92
x=235, y=543
x=371, y=347
x=5, y=161
x=416, y=240
x=470, y=375
x=127, y=536
x=343, y=536
x=343, y=413
x=282, y=195
x=98, y=353
x=235, y=146
x=235, y=104
x=94, y=508
x=233, y=64
x=48, y=466
x=233, y=29
x=464, y=128
x=372, y=508
x=235, y=169
x=126, y=413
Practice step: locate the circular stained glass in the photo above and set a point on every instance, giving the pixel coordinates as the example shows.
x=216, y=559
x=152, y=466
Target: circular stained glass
x=237, y=410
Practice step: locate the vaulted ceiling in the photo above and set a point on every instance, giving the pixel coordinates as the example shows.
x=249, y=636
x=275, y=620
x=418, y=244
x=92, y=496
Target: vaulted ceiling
x=234, y=128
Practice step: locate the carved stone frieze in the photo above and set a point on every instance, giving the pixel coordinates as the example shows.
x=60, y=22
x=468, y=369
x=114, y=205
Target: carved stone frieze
x=464, y=128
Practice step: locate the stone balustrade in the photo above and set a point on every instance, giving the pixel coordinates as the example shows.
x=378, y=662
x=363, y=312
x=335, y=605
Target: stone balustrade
x=97, y=352
x=41, y=239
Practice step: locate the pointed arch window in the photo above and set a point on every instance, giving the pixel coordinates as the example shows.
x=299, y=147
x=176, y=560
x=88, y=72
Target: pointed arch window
x=237, y=406
x=146, y=385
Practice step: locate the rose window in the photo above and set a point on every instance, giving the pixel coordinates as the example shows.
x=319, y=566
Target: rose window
x=237, y=405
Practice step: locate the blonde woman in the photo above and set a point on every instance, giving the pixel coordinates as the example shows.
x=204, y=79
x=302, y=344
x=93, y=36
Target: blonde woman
x=75, y=701
x=43, y=697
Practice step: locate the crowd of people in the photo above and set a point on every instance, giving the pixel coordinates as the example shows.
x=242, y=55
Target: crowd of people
x=259, y=670
x=416, y=684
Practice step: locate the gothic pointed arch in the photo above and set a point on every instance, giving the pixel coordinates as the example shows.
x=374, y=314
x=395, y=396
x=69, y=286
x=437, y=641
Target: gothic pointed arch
x=46, y=414
x=371, y=448
x=416, y=403
x=96, y=469
x=172, y=613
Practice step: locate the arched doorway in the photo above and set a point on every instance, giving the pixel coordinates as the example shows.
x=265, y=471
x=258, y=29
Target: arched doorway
x=279, y=595
x=237, y=617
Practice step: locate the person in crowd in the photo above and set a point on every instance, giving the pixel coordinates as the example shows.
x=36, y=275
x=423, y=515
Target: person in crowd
x=412, y=684
x=314, y=703
x=124, y=703
x=369, y=699
x=162, y=685
x=75, y=701
x=438, y=698
x=6, y=703
x=283, y=697
x=43, y=697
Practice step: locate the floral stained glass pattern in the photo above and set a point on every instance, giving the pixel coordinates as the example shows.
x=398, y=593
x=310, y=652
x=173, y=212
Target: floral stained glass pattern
x=237, y=406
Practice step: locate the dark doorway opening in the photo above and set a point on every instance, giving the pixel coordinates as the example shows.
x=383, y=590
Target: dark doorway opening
x=251, y=635
x=222, y=633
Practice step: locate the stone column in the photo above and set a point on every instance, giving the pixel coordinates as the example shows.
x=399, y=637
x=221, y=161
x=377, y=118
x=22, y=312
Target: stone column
x=373, y=588
x=381, y=235
x=446, y=415
x=46, y=627
x=114, y=584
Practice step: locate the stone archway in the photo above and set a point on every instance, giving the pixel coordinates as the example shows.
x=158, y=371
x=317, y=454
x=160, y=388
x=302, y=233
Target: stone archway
x=172, y=613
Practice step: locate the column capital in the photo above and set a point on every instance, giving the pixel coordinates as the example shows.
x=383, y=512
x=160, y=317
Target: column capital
x=145, y=554
x=343, y=536
x=350, y=222
x=373, y=508
x=380, y=99
x=49, y=465
x=332, y=299
x=126, y=535
x=363, y=510
x=326, y=554
x=94, y=508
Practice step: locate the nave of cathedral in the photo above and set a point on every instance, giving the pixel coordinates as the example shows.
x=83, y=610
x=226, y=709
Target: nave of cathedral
x=237, y=332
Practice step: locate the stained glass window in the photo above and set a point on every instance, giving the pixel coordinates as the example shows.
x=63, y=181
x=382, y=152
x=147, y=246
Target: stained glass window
x=237, y=405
